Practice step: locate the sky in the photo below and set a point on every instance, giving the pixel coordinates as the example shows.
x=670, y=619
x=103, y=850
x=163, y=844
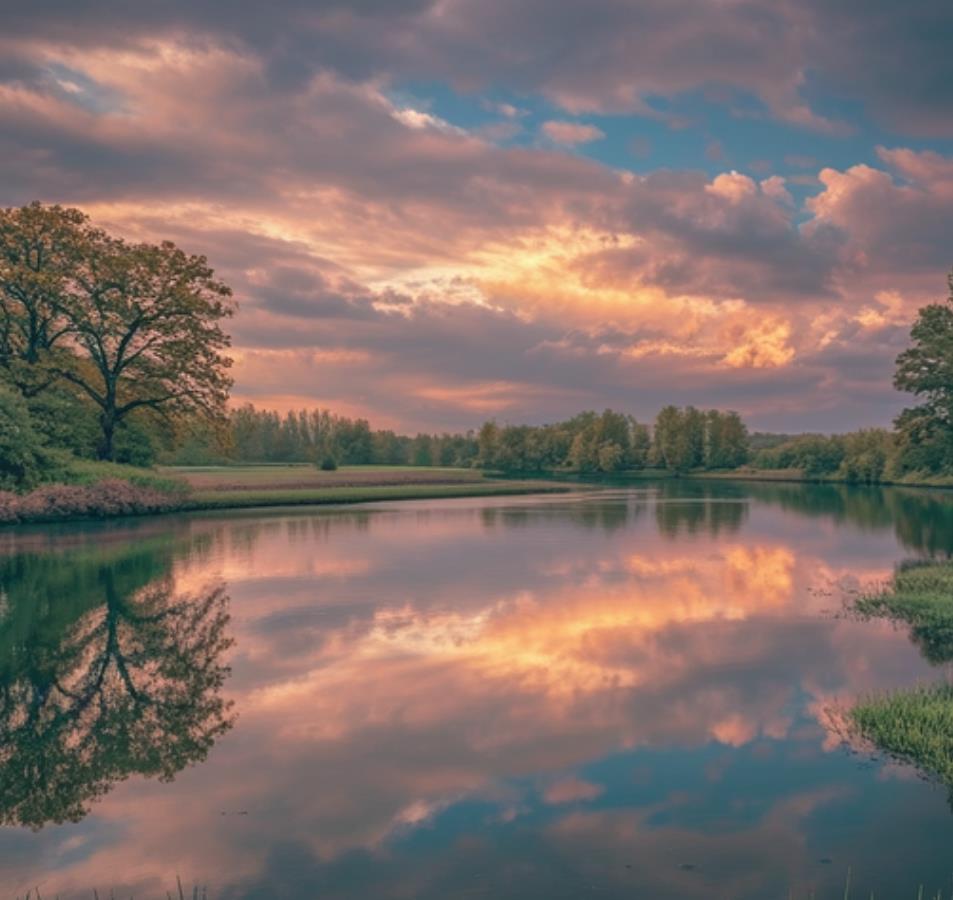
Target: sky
x=435, y=212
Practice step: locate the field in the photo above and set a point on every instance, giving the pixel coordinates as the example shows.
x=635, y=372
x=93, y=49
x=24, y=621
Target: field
x=219, y=487
x=300, y=477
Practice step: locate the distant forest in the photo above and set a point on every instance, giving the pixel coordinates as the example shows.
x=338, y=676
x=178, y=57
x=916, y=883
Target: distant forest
x=680, y=440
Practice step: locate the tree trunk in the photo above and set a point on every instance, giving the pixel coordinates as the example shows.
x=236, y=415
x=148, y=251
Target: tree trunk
x=108, y=425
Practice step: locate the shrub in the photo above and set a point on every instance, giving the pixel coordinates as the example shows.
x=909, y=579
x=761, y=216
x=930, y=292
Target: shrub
x=328, y=464
x=111, y=497
x=22, y=459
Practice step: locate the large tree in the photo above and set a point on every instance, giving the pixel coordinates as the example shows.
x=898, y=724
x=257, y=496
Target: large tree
x=39, y=253
x=926, y=371
x=135, y=328
x=145, y=322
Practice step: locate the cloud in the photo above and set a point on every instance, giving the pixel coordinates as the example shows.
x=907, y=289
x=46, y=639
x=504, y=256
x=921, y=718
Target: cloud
x=571, y=133
x=893, y=227
x=610, y=57
x=389, y=262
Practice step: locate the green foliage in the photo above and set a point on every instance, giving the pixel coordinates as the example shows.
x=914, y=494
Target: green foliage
x=589, y=442
x=328, y=464
x=726, y=440
x=23, y=461
x=688, y=439
x=66, y=420
x=867, y=454
x=914, y=726
x=925, y=432
x=858, y=457
x=40, y=253
x=920, y=596
x=256, y=435
x=133, y=328
x=813, y=454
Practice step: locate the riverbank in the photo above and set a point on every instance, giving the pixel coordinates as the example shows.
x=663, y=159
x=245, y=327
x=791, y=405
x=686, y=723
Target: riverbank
x=800, y=477
x=793, y=476
x=132, y=492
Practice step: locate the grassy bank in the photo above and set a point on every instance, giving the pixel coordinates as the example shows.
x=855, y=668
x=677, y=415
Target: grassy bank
x=914, y=726
x=919, y=597
x=244, y=487
x=746, y=473
x=104, y=490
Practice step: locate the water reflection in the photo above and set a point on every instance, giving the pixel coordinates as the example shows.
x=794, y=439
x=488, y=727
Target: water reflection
x=536, y=697
x=105, y=672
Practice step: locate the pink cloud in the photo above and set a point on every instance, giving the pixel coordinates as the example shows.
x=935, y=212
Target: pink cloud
x=571, y=133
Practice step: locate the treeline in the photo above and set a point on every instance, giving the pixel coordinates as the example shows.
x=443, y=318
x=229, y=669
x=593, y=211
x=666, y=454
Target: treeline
x=868, y=456
x=318, y=436
x=590, y=442
x=681, y=439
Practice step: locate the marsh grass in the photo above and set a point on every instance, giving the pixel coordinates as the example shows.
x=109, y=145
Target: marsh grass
x=919, y=596
x=913, y=726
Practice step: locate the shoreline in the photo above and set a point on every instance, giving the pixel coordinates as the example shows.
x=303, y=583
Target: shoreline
x=211, y=501
x=781, y=476
x=262, y=498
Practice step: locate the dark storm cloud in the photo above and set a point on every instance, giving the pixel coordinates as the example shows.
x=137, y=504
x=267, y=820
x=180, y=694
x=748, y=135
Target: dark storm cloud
x=601, y=55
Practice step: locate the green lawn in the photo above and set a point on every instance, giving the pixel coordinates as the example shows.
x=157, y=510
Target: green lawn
x=220, y=487
x=298, y=477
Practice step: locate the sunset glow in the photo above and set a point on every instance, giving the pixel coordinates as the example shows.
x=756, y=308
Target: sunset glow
x=437, y=212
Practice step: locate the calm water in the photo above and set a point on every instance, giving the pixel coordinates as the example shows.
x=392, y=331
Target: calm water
x=625, y=694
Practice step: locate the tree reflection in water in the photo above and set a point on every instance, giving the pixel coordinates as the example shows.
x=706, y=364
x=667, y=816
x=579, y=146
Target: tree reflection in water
x=127, y=682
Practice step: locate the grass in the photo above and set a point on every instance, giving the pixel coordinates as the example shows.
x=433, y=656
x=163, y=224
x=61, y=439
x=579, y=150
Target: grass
x=919, y=596
x=85, y=489
x=74, y=470
x=243, y=487
x=243, y=499
x=749, y=473
x=222, y=479
x=912, y=726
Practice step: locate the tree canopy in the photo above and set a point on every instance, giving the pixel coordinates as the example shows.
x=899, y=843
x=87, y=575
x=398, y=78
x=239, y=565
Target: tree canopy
x=926, y=370
x=134, y=328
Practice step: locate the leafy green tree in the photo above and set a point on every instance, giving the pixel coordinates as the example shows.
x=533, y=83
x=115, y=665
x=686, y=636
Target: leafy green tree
x=926, y=371
x=611, y=457
x=488, y=440
x=22, y=457
x=726, y=440
x=866, y=455
x=680, y=438
x=40, y=252
x=668, y=428
x=145, y=325
x=422, y=452
x=819, y=455
x=640, y=446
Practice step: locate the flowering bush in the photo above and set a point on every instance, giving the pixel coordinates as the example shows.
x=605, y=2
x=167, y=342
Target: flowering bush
x=111, y=497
